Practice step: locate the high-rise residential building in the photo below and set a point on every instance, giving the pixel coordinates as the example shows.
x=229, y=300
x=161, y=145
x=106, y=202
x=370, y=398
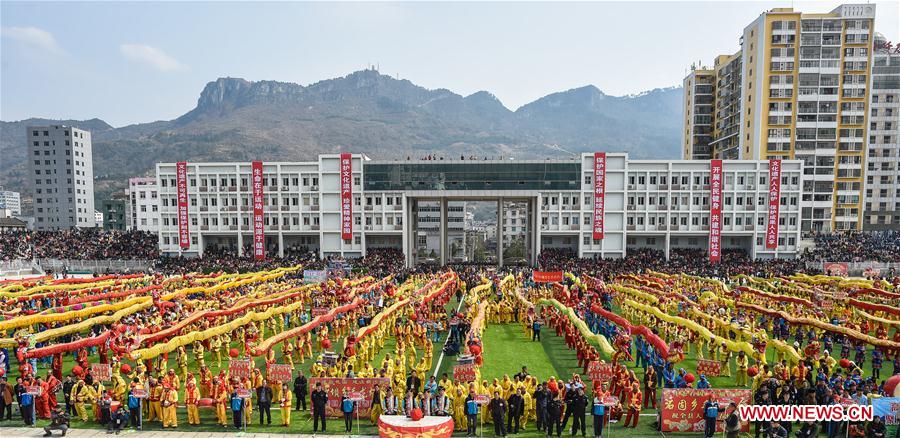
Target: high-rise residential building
x=116, y=212
x=61, y=177
x=143, y=213
x=699, y=87
x=798, y=89
x=882, y=209
x=10, y=200
x=727, y=109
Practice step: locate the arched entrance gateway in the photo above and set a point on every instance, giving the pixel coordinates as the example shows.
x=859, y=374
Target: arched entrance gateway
x=480, y=211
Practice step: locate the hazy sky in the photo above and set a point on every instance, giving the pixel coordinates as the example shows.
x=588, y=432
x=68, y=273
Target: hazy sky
x=138, y=62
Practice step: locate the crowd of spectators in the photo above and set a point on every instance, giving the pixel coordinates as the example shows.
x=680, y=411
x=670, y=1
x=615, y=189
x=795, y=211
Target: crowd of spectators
x=95, y=244
x=378, y=262
x=856, y=246
x=79, y=243
x=686, y=260
x=14, y=245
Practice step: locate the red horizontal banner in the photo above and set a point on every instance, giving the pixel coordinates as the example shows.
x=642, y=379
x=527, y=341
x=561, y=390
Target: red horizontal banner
x=548, y=277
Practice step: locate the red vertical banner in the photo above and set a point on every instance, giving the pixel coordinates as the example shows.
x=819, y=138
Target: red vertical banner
x=346, y=196
x=599, y=192
x=259, y=235
x=774, y=203
x=715, y=211
x=184, y=235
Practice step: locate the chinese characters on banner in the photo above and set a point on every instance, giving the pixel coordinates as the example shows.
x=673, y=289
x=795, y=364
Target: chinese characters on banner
x=710, y=368
x=184, y=235
x=547, y=277
x=335, y=387
x=599, y=192
x=346, y=196
x=280, y=372
x=715, y=210
x=465, y=372
x=888, y=408
x=240, y=368
x=101, y=371
x=259, y=236
x=682, y=409
x=601, y=371
x=774, y=201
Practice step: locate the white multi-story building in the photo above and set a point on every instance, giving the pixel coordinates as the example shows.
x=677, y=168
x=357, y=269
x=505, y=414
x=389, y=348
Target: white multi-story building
x=144, y=211
x=648, y=203
x=61, y=177
x=428, y=235
x=10, y=200
x=882, y=211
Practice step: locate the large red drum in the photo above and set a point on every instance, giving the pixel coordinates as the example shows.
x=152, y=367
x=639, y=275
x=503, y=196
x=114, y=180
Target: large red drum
x=206, y=402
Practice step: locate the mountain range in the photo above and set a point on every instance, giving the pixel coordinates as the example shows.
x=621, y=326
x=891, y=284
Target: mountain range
x=365, y=112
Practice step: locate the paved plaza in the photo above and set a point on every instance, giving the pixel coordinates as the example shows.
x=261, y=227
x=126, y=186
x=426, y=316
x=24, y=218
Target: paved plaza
x=29, y=432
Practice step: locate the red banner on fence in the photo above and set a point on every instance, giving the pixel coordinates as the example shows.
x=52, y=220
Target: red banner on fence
x=240, y=368
x=335, y=386
x=774, y=202
x=599, y=192
x=710, y=368
x=101, y=372
x=259, y=234
x=837, y=268
x=715, y=210
x=280, y=372
x=184, y=235
x=682, y=409
x=464, y=372
x=600, y=371
x=547, y=277
x=346, y=196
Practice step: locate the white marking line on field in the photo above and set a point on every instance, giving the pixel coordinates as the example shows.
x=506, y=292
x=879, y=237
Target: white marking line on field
x=441, y=359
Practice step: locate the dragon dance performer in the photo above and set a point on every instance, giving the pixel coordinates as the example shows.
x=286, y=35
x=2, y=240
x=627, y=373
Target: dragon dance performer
x=222, y=396
x=634, y=406
x=169, y=406
x=191, y=400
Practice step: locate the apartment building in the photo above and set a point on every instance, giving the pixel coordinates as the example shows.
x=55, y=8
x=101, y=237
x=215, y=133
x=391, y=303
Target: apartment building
x=882, y=209
x=61, y=172
x=804, y=88
x=10, y=200
x=699, y=103
x=143, y=213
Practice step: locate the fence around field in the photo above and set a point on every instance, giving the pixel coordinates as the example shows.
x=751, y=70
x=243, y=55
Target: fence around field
x=857, y=269
x=100, y=266
x=16, y=267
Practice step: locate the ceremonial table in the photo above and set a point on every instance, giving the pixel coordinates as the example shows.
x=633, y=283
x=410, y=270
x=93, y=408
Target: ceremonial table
x=401, y=426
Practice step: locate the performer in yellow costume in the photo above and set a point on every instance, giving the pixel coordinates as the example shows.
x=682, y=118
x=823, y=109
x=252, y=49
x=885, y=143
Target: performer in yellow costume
x=191, y=398
x=285, y=404
x=169, y=404
x=81, y=393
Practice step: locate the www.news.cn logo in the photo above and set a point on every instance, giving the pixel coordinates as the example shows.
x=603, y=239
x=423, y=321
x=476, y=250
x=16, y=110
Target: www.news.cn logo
x=805, y=413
